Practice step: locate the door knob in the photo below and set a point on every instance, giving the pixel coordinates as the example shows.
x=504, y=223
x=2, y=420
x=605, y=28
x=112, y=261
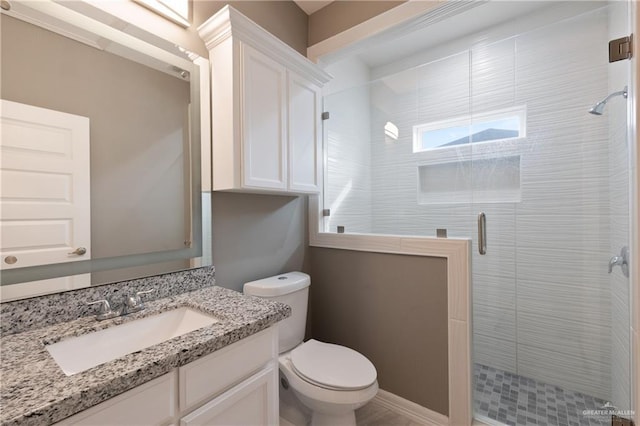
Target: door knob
x=79, y=251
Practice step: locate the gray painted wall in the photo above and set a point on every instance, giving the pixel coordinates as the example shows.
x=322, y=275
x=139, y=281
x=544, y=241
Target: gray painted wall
x=257, y=236
x=283, y=19
x=391, y=308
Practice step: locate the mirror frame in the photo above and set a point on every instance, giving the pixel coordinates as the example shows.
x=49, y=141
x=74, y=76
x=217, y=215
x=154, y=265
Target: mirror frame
x=63, y=19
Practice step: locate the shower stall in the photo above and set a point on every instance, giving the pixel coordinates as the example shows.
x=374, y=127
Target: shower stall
x=506, y=124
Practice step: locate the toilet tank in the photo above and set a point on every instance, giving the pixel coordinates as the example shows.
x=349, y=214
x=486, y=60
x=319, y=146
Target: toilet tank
x=292, y=289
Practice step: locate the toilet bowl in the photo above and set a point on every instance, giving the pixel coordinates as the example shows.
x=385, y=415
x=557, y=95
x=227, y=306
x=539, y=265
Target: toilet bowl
x=334, y=396
x=323, y=381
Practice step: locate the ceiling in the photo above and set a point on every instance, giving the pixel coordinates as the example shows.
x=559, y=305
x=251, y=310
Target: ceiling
x=311, y=6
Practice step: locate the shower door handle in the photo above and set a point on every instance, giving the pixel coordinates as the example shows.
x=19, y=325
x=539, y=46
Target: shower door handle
x=482, y=233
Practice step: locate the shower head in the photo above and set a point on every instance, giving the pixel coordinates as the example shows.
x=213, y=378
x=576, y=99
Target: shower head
x=598, y=109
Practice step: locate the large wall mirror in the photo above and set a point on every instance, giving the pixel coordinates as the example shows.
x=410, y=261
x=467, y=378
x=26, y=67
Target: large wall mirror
x=101, y=173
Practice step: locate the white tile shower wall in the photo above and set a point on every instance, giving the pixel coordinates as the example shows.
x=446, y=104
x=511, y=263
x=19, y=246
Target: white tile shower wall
x=436, y=91
x=619, y=217
x=347, y=147
x=546, y=260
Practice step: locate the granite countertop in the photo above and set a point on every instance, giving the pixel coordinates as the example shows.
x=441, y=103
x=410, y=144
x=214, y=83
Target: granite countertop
x=35, y=391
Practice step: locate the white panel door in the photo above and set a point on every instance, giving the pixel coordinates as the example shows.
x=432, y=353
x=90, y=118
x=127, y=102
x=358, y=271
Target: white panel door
x=44, y=186
x=263, y=120
x=304, y=135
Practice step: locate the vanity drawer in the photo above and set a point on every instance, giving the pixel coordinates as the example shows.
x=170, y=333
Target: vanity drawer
x=207, y=377
x=150, y=404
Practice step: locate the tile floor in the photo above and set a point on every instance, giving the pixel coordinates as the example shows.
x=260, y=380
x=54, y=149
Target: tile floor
x=508, y=399
x=515, y=400
x=373, y=414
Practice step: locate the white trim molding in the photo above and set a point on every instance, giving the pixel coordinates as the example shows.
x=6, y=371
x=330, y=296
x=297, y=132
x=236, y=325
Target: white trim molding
x=228, y=22
x=458, y=255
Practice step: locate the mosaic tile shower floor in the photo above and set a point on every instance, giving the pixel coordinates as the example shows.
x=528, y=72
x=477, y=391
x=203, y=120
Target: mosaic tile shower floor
x=515, y=400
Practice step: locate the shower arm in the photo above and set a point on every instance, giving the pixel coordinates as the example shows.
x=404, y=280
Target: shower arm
x=623, y=92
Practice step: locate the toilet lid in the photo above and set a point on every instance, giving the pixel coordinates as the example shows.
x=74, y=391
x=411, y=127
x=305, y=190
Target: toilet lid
x=333, y=366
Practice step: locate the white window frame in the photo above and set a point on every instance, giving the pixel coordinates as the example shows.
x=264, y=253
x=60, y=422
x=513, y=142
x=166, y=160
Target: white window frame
x=468, y=120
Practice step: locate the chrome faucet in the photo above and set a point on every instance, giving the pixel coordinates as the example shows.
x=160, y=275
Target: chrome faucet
x=134, y=303
x=105, y=311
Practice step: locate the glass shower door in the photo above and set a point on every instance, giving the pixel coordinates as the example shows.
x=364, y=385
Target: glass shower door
x=551, y=341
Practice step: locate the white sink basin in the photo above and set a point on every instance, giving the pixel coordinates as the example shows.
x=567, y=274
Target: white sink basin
x=84, y=352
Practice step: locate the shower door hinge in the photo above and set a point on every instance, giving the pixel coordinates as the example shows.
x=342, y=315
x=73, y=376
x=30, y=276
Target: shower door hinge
x=621, y=48
x=325, y=115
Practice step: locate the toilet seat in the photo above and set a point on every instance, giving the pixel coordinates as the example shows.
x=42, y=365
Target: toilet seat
x=332, y=366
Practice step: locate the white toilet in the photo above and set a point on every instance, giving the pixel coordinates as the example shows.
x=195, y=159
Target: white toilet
x=330, y=381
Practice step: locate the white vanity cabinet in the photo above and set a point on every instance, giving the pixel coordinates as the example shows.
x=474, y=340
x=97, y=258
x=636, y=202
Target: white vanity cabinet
x=266, y=109
x=248, y=403
x=236, y=385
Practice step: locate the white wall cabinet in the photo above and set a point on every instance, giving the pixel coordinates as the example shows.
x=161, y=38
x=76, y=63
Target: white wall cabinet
x=237, y=385
x=264, y=128
x=266, y=109
x=304, y=134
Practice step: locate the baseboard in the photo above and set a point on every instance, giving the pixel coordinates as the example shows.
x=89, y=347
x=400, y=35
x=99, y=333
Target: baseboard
x=409, y=409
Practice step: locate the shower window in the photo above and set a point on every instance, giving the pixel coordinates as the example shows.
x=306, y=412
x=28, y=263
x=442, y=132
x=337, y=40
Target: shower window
x=485, y=127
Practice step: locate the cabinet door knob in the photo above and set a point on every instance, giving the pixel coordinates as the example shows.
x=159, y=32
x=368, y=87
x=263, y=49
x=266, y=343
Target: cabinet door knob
x=79, y=251
x=10, y=260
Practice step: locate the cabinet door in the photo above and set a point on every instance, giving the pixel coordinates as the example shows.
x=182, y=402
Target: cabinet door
x=209, y=376
x=304, y=135
x=252, y=402
x=153, y=403
x=263, y=120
